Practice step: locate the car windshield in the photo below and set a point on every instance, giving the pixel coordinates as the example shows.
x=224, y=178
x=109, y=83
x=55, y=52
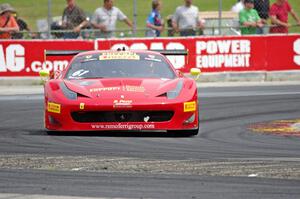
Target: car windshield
x=120, y=64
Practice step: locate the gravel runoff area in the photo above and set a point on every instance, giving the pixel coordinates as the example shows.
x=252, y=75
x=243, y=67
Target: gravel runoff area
x=281, y=168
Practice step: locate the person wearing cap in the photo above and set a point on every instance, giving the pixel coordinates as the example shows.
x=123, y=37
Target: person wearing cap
x=279, y=13
x=249, y=19
x=8, y=23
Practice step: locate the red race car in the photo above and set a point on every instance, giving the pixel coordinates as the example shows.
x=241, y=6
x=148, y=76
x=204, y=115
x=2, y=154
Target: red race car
x=121, y=91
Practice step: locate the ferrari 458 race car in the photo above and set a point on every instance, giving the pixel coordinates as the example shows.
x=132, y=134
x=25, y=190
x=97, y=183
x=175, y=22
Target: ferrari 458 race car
x=121, y=91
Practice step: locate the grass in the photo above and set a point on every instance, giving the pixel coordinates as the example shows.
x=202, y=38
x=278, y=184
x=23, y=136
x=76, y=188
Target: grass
x=31, y=10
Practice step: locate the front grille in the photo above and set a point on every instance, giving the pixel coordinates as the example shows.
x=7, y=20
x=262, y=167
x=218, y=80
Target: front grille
x=122, y=116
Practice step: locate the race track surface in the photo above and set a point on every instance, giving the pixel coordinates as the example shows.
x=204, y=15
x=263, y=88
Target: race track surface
x=225, y=160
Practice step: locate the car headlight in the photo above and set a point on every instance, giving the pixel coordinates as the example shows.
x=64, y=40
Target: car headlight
x=67, y=92
x=172, y=94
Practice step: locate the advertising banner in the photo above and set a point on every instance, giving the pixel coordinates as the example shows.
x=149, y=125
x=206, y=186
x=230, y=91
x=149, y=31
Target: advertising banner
x=210, y=54
x=27, y=58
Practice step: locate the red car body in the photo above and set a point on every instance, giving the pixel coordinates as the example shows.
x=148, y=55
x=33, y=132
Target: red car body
x=113, y=104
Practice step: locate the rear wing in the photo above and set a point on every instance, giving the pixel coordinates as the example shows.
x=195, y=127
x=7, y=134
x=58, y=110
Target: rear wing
x=75, y=52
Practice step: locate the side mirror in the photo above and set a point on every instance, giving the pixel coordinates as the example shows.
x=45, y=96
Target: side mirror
x=44, y=74
x=195, y=72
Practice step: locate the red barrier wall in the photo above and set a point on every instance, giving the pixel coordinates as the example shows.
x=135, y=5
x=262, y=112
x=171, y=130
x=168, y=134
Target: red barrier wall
x=211, y=54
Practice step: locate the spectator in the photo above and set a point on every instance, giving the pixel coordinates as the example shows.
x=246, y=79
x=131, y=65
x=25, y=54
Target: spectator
x=262, y=7
x=238, y=6
x=105, y=19
x=249, y=18
x=171, y=31
x=154, y=22
x=73, y=19
x=8, y=24
x=279, y=16
x=186, y=19
x=22, y=27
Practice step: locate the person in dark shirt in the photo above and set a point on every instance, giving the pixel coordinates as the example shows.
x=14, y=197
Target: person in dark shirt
x=73, y=19
x=262, y=7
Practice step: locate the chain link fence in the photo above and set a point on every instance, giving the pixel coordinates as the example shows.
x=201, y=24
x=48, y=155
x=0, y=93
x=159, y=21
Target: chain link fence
x=43, y=19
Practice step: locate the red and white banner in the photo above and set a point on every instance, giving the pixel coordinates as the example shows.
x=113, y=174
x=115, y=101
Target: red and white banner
x=210, y=54
x=223, y=54
x=27, y=58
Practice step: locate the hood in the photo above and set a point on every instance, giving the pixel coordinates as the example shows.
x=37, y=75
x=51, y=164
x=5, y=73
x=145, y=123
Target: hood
x=112, y=88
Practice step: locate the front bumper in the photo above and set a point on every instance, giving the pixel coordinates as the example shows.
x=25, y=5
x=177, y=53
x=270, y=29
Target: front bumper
x=62, y=120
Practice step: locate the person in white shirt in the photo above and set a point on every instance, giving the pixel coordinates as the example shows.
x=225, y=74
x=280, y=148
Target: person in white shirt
x=105, y=19
x=239, y=6
x=186, y=19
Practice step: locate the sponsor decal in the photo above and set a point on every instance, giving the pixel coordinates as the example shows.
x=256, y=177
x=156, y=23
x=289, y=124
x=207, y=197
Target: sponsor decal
x=152, y=58
x=105, y=89
x=297, y=51
x=122, y=103
x=189, y=106
x=53, y=107
x=223, y=53
x=121, y=126
x=138, y=89
x=81, y=106
x=119, y=55
x=128, y=88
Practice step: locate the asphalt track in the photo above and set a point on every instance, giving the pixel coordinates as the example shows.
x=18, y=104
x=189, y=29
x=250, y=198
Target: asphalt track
x=33, y=162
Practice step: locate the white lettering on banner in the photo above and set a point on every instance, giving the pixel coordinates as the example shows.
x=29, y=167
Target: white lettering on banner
x=36, y=66
x=177, y=61
x=13, y=59
x=223, y=53
x=297, y=51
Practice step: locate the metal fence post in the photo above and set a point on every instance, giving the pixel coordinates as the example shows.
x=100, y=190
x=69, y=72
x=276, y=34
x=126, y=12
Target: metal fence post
x=134, y=17
x=220, y=17
x=49, y=17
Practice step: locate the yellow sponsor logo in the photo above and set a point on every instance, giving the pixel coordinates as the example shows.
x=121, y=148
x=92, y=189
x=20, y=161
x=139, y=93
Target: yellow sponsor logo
x=189, y=106
x=81, y=106
x=53, y=107
x=119, y=55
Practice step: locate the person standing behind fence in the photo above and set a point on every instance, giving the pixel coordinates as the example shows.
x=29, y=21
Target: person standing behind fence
x=279, y=12
x=73, y=19
x=262, y=7
x=105, y=19
x=249, y=19
x=186, y=19
x=8, y=23
x=154, y=21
